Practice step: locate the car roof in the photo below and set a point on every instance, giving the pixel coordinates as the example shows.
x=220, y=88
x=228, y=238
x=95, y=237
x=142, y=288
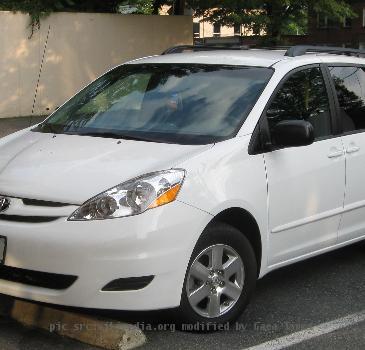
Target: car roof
x=252, y=57
x=258, y=58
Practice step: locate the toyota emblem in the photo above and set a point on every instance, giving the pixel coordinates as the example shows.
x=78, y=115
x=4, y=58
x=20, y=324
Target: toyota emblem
x=4, y=204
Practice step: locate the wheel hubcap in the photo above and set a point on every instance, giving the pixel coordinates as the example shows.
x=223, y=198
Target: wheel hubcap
x=215, y=281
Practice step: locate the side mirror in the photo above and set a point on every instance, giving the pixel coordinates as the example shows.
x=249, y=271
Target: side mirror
x=293, y=133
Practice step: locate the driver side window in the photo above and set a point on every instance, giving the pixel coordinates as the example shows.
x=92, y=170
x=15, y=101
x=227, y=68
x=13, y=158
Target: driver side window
x=303, y=96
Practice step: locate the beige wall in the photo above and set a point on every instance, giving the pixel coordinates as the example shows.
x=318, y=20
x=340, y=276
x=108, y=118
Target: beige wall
x=81, y=46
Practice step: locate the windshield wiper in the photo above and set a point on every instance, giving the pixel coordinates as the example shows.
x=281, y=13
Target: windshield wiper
x=45, y=127
x=108, y=134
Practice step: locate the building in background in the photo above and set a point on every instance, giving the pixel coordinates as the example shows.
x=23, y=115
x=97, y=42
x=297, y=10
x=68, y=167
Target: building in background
x=206, y=30
x=321, y=31
x=348, y=33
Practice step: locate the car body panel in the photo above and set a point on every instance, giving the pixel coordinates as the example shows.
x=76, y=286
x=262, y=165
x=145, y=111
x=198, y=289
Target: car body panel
x=353, y=223
x=228, y=177
x=158, y=243
x=55, y=167
x=258, y=58
x=306, y=191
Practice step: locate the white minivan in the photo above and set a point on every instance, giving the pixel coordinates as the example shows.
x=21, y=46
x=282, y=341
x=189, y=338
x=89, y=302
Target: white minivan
x=176, y=181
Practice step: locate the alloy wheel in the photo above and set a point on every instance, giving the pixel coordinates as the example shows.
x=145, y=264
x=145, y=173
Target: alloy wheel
x=215, y=281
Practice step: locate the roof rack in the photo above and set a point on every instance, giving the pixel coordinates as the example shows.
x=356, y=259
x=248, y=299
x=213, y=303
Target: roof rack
x=194, y=48
x=300, y=50
x=293, y=51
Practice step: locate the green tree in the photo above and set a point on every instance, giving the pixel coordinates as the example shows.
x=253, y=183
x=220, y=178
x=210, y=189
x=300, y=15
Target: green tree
x=41, y=8
x=111, y=6
x=275, y=17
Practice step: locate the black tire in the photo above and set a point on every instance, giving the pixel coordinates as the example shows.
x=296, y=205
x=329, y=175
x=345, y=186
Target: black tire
x=222, y=234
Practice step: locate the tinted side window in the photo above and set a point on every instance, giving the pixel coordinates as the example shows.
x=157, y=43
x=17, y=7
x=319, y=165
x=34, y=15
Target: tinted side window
x=350, y=84
x=303, y=96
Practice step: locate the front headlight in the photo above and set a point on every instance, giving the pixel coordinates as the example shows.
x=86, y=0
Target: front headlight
x=133, y=197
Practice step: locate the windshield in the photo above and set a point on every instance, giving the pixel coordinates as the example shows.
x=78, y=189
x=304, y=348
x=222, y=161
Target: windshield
x=172, y=103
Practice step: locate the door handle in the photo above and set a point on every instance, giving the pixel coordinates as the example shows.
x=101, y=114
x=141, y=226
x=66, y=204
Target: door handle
x=335, y=152
x=352, y=149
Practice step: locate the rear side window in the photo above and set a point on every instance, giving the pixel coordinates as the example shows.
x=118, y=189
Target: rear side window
x=350, y=85
x=303, y=96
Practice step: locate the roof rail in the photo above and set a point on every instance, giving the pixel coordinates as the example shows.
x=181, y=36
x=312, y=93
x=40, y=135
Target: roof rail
x=194, y=48
x=300, y=50
x=293, y=51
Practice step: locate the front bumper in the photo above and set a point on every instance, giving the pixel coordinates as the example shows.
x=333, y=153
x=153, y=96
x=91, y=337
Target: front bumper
x=156, y=243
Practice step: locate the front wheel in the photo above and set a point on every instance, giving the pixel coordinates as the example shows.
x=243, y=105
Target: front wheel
x=220, y=278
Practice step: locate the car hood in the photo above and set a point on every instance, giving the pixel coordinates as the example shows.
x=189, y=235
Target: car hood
x=71, y=169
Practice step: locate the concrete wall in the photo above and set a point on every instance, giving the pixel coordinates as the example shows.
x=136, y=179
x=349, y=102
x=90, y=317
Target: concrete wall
x=10, y=125
x=80, y=47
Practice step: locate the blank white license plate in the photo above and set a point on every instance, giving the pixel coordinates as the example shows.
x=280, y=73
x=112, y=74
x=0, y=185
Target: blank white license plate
x=2, y=249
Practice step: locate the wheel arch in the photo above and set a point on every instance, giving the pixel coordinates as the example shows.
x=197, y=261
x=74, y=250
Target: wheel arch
x=245, y=222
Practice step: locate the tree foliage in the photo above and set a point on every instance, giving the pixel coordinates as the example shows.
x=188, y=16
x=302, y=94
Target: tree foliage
x=111, y=6
x=275, y=17
x=41, y=8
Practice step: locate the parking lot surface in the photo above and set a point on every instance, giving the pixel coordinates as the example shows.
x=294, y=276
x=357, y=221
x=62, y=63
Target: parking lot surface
x=286, y=302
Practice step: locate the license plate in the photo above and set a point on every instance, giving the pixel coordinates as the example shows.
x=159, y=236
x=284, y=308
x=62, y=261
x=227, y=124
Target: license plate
x=2, y=249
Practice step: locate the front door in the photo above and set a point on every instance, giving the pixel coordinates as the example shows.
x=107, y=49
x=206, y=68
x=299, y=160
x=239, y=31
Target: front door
x=305, y=184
